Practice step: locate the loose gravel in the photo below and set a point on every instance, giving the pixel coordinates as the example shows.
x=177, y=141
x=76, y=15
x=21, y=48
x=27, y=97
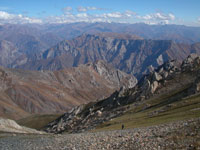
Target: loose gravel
x=178, y=135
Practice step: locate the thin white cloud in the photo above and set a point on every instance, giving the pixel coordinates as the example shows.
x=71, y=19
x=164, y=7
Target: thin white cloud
x=161, y=16
x=68, y=8
x=129, y=13
x=69, y=16
x=93, y=8
x=172, y=16
x=147, y=17
x=157, y=18
x=117, y=15
x=82, y=9
x=82, y=15
x=17, y=19
x=114, y=15
x=5, y=15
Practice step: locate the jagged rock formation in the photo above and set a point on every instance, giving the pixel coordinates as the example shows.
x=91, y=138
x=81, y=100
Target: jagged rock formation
x=7, y=125
x=127, y=53
x=26, y=92
x=166, y=78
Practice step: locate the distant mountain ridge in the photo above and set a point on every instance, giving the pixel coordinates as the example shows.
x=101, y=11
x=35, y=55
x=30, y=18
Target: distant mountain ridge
x=30, y=40
x=177, y=33
x=129, y=54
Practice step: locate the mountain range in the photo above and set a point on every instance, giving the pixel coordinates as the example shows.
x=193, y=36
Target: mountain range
x=131, y=54
x=177, y=33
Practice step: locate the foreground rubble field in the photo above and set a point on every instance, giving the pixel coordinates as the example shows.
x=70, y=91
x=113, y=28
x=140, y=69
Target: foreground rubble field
x=176, y=135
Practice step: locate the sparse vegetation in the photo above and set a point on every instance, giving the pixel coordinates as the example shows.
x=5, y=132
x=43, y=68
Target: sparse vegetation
x=37, y=121
x=156, y=113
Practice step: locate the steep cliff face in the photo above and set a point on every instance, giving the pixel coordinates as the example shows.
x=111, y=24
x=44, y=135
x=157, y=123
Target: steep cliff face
x=162, y=82
x=8, y=53
x=26, y=92
x=128, y=53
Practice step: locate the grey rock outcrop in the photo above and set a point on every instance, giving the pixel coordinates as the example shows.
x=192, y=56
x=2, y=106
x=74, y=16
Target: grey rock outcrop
x=190, y=63
x=195, y=88
x=113, y=75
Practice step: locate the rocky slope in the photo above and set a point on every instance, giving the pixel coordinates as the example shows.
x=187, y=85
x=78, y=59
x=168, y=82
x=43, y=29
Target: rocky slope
x=26, y=92
x=169, y=77
x=130, y=54
x=7, y=125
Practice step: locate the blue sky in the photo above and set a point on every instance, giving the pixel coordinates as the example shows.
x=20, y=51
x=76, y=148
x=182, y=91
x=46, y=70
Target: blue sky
x=185, y=12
